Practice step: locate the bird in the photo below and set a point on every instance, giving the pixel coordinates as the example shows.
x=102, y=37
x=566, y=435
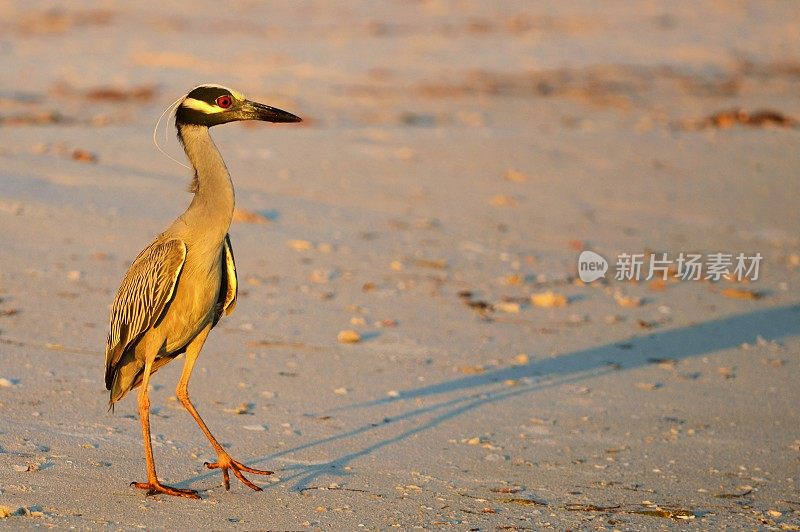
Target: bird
x=178, y=287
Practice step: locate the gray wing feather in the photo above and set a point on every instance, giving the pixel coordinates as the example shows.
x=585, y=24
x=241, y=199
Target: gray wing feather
x=143, y=297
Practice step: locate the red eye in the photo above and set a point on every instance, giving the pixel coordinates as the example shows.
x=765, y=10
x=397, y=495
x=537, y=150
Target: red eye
x=224, y=101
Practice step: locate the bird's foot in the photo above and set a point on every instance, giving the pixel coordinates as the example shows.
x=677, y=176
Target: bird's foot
x=154, y=488
x=225, y=462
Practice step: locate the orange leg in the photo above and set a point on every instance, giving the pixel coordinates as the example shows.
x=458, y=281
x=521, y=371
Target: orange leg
x=152, y=485
x=224, y=460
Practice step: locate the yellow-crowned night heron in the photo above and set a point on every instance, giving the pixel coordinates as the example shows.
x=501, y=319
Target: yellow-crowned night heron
x=180, y=285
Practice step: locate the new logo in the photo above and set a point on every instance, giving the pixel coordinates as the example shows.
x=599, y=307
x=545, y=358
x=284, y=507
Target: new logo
x=591, y=266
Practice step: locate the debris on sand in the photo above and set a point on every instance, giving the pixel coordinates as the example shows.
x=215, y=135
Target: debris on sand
x=742, y=293
x=83, y=156
x=139, y=93
x=33, y=119
x=733, y=117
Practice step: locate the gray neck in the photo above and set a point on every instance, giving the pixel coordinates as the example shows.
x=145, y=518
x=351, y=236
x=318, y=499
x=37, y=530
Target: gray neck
x=209, y=215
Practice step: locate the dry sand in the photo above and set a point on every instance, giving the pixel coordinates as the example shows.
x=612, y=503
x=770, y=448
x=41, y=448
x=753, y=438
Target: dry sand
x=448, y=147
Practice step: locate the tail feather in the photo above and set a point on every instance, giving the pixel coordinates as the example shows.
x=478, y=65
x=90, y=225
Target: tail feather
x=128, y=375
x=122, y=380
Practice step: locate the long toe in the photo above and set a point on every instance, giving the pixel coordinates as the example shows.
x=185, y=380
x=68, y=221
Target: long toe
x=254, y=471
x=154, y=488
x=225, y=463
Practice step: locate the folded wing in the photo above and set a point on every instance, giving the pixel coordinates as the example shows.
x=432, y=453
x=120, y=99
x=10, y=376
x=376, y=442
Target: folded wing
x=143, y=298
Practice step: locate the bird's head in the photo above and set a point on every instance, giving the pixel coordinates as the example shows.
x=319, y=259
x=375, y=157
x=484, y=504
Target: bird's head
x=211, y=105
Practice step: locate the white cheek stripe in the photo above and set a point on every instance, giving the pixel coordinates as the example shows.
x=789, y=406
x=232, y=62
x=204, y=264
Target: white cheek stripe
x=200, y=105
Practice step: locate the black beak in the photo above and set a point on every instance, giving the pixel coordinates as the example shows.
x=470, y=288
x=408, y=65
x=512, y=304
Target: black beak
x=259, y=111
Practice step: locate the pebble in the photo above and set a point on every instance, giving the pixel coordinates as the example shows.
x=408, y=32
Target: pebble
x=521, y=359
x=509, y=307
x=627, y=301
x=321, y=276
x=515, y=176
x=348, y=336
x=241, y=410
x=503, y=200
x=548, y=299
x=299, y=245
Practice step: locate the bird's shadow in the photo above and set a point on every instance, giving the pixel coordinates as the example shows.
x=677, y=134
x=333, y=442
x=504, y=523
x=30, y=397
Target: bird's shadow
x=478, y=390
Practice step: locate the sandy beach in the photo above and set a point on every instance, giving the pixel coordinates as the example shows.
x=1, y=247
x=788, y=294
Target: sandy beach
x=455, y=159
